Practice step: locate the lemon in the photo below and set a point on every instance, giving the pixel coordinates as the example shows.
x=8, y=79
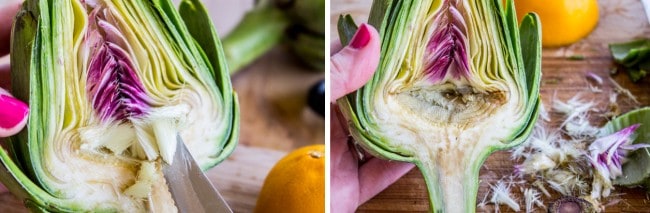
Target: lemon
x=563, y=21
x=296, y=183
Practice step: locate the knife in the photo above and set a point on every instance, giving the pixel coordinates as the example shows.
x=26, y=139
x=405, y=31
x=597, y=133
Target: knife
x=190, y=188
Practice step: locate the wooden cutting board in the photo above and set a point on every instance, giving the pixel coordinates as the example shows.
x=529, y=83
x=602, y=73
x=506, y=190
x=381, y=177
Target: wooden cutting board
x=275, y=118
x=620, y=20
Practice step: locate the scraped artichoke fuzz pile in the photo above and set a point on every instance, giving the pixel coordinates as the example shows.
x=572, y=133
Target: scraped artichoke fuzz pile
x=579, y=159
x=459, y=89
x=126, y=98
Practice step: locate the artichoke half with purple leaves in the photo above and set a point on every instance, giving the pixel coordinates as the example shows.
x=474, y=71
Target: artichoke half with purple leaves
x=110, y=84
x=457, y=80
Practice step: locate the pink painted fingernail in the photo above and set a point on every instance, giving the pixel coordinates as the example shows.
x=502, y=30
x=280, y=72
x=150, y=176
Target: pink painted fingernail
x=361, y=38
x=13, y=112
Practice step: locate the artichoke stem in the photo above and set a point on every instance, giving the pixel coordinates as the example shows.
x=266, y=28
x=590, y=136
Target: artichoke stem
x=452, y=189
x=259, y=31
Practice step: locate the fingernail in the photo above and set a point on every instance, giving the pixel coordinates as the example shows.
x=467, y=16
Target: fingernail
x=361, y=38
x=12, y=111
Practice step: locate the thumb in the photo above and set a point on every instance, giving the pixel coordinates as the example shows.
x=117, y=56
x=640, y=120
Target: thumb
x=353, y=66
x=13, y=114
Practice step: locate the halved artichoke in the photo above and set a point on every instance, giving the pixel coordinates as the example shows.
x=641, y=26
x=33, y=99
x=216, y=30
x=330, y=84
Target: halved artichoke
x=457, y=80
x=110, y=83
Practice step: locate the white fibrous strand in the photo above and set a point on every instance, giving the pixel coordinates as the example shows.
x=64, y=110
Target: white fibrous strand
x=597, y=79
x=580, y=127
x=543, y=113
x=540, y=185
x=620, y=90
x=566, y=182
x=576, y=112
x=572, y=107
x=612, y=109
x=501, y=195
x=595, y=82
x=532, y=199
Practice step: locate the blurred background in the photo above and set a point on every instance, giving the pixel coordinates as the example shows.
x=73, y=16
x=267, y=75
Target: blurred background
x=275, y=117
x=273, y=90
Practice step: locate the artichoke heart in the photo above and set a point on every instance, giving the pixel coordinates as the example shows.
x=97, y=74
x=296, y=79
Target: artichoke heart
x=457, y=80
x=110, y=84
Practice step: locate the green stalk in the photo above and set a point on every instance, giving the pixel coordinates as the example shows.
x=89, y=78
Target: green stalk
x=444, y=190
x=452, y=180
x=257, y=33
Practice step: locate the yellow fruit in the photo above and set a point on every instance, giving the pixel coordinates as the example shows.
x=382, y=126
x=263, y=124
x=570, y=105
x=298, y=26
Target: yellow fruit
x=296, y=183
x=563, y=21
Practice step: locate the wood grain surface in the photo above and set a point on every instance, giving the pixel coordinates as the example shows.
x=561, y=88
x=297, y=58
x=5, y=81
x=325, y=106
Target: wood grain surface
x=562, y=77
x=274, y=117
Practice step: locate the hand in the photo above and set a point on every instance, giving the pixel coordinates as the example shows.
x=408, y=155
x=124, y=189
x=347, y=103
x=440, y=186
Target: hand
x=13, y=112
x=353, y=182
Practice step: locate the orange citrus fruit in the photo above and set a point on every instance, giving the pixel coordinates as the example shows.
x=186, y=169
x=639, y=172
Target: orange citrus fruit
x=296, y=183
x=563, y=21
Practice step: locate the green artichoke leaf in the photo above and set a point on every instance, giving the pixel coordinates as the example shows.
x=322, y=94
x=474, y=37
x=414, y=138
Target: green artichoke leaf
x=457, y=80
x=630, y=53
x=347, y=28
x=633, y=56
x=110, y=83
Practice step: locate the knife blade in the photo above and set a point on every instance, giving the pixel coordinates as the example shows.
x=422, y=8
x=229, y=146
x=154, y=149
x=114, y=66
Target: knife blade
x=190, y=188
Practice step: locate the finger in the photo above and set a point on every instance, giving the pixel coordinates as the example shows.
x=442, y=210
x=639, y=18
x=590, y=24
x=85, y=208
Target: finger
x=377, y=174
x=344, y=168
x=351, y=67
x=7, y=14
x=13, y=114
